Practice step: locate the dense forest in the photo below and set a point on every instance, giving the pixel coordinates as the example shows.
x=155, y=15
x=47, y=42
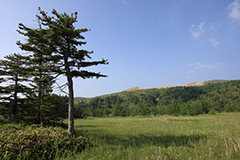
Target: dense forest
x=195, y=100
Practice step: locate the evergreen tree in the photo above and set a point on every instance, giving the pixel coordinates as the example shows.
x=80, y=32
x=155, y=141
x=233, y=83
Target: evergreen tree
x=40, y=66
x=116, y=110
x=13, y=74
x=62, y=39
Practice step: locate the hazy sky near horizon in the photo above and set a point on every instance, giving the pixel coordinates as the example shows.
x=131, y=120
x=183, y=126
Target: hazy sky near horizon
x=149, y=43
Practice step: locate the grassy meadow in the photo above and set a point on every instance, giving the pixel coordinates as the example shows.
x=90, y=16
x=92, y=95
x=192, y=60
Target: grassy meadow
x=165, y=137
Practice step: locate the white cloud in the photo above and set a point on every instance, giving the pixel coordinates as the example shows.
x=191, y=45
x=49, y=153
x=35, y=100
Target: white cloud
x=234, y=8
x=213, y=42
x=196, y=31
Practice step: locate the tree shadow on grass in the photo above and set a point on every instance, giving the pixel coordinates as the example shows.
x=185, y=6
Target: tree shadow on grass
x=163, y=141
x=142, y=139
x=184, y=120
x=87, y=126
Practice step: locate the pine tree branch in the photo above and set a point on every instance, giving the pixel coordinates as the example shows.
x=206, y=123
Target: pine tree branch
x=62, y=89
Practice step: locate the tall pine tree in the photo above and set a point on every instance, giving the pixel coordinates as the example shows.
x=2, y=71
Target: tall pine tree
x=63, y=40
x=40, y=66
x=13, y=75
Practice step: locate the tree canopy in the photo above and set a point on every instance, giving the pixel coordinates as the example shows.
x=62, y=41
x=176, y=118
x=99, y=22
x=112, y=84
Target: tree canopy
x=56, y=41
x=52, y=49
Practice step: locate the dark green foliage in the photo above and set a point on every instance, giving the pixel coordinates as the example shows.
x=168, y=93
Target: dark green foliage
x=53, y=49
x=116, y=110
x=210, y=98
x=33, y=142
x=62, y=41
x=40, y=66
x=54, y=110
x=12, y=78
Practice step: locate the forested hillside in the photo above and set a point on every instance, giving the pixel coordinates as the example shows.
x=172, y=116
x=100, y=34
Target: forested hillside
x=194, y=100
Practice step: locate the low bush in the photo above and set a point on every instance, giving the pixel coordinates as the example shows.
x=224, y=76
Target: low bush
x=33, y=142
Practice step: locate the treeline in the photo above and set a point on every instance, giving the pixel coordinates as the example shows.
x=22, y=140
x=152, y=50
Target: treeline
x=26, y=90
x=210, y=98
x=27, y=79
x=26, y=84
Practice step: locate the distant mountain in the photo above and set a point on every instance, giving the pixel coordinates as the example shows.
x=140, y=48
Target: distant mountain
x=192, y=99
x=215, y=81
x=200, y=83
x=133, y=89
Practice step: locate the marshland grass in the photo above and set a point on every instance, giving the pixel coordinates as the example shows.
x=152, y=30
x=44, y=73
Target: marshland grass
x=166, y=137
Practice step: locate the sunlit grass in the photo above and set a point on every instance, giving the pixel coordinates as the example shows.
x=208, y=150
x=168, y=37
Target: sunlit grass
x=165, y=137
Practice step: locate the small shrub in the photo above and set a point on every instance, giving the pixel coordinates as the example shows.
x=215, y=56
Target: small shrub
x=32, y=142
x=212, y=111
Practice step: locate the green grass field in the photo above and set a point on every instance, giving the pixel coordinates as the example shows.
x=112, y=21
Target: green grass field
x=166, y=137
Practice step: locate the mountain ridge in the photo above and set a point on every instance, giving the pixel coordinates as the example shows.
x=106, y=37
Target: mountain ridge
x=136, y=88
x=210, y=97
x=198, y=83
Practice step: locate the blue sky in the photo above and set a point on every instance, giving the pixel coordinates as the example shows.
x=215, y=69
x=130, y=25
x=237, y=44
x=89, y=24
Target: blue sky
x=149, y=43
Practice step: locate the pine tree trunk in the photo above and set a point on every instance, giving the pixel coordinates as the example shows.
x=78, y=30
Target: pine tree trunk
x=40, y=96
x=70, y=107
x=10, y=111
x=70, y=92
x=14, y=105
